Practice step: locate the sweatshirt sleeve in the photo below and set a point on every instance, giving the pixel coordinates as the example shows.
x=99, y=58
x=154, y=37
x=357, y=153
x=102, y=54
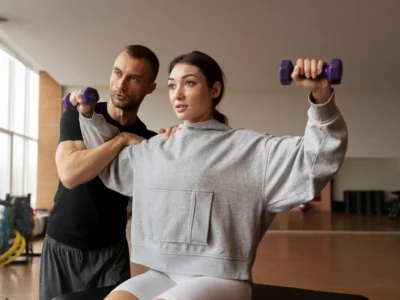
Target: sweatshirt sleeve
x=118, y=175
x=298, y=168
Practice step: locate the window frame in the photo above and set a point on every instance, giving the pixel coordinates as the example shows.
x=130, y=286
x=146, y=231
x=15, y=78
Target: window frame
x=10, y=131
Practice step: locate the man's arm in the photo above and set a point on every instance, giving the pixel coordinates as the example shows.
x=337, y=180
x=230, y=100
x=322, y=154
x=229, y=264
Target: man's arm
x=77, y=165
x=74, y=162
x=118, y=174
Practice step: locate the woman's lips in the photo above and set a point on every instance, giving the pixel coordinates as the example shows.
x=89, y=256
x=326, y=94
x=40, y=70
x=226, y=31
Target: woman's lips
x=180, y=107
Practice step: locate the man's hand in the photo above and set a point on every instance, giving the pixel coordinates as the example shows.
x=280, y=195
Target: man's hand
x=76, y=100
x=129, y=139
x=169, y=131
x=311, y=68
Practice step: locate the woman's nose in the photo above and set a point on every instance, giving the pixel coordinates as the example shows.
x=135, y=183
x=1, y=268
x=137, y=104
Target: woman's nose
x=179, y=93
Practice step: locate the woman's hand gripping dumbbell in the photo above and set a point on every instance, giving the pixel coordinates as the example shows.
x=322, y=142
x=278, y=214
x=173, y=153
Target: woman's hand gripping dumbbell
x=332, y=71
x=83, y=100
x=315, y=76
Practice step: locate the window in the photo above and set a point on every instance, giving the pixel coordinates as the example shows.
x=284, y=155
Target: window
x=4, y=88
x=31, y=167
x=19, y=118
x=33, y=106
x=19, y=88
x=17, y=179
x=4, y=164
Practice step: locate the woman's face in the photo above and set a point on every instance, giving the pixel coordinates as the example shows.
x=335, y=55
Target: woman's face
x=189, y=94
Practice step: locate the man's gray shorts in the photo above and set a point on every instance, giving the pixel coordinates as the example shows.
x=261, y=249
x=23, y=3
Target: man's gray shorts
x=65, y=269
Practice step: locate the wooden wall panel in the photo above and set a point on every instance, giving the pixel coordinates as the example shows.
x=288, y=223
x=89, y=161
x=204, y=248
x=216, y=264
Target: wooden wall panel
x=50, y=109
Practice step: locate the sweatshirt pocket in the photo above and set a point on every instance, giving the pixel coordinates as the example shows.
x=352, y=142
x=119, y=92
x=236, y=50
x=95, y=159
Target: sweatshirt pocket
x=179, y=216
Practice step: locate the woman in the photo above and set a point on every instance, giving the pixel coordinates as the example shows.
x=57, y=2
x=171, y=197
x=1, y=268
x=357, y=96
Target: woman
x=205, y=197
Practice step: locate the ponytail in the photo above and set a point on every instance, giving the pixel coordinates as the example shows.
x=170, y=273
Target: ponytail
x=220, y=117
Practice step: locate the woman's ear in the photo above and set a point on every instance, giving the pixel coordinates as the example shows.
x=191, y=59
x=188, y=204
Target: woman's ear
x=216, y=90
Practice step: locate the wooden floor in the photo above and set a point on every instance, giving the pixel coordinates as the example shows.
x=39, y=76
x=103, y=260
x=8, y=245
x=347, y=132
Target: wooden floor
x=338, y=253
x=295, y=220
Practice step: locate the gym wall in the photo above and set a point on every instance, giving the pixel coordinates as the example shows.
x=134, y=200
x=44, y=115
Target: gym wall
x=49, y=125
x=373, y=157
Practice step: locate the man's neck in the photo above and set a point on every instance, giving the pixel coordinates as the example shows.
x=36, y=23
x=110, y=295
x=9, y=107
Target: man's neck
x=123, y=117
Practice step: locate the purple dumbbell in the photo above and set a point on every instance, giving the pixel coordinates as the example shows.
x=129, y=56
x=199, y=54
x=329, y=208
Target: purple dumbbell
x=90, y=96
x=333, y=71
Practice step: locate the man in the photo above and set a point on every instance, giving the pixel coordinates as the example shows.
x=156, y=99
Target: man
x=85, y=245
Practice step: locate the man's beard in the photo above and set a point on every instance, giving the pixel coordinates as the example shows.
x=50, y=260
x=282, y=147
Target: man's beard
x=129, y=103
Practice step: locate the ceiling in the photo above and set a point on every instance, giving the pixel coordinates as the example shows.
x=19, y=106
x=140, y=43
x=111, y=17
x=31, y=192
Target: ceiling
x=76, y=42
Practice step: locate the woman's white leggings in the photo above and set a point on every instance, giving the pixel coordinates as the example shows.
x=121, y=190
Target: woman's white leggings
x=153, y=284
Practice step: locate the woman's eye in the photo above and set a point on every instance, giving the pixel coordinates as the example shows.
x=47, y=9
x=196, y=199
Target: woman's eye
x=190, y=83
x=170, y=86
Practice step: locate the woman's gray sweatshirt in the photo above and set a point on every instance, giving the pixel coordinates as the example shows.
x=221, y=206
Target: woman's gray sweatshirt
x=204, y=198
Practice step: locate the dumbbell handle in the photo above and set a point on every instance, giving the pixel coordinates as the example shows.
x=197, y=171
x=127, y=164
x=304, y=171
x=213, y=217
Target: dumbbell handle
x=89, y=96
x=323, y=74
x=332, y=71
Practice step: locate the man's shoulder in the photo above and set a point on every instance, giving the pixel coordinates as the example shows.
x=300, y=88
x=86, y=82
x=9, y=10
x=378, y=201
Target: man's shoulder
x=69, y=115
x=145, y=133
x=72, y=115
x=101, y=108
x=141, y=129
x=138, y=128
x=69, y=126
x=150, y=133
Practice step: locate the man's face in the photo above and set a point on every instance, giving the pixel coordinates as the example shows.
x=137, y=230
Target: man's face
x=130, y=81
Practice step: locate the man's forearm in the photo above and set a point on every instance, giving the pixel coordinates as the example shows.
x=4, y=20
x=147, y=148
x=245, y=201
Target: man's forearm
x=83, y=165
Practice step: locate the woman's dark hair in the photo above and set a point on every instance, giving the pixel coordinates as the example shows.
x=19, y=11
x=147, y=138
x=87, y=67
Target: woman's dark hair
x=211, y=70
